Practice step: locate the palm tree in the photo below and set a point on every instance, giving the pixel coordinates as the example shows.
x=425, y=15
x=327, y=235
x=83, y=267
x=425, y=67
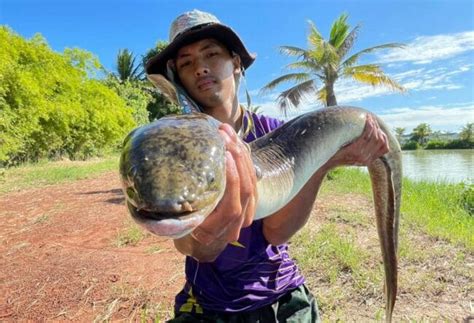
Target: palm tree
x=399, y=131
x=467, y=132
x=127, y=70
x=421, y=133
x=160, y=45
x=326, y=61
x=160, y=105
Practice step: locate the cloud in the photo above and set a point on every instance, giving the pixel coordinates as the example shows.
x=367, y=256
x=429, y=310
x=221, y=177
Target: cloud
x=449, y=117
x=426, y=49
x=438, y=117
x=420, y=79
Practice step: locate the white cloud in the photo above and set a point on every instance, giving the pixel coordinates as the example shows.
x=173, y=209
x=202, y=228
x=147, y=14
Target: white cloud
x=426, y=49
x=450, y=118
x=421, y=79
x=447, y=117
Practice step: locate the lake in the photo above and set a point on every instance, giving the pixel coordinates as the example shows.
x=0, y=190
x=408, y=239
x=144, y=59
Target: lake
x=453, y=166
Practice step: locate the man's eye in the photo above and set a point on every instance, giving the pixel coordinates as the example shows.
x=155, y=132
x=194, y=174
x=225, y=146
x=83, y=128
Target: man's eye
x=184, y=64
x=211, y=54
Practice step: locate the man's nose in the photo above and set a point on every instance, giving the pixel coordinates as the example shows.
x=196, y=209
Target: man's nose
x=201, y=69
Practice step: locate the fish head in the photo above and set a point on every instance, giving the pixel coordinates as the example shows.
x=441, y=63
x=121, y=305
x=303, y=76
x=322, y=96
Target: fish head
x=173, y=173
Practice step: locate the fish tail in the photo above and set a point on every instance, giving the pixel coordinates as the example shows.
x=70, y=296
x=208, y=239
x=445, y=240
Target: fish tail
x=386, y=210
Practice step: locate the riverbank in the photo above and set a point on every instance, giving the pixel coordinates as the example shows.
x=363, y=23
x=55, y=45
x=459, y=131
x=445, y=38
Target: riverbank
x=70, y=251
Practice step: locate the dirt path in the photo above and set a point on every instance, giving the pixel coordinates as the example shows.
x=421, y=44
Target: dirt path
x=60, y=261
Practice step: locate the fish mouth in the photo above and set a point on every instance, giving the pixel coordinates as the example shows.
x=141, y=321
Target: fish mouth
x=168, y=224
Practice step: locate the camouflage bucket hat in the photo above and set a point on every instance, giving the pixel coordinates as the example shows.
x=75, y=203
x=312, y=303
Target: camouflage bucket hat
x=192, y=26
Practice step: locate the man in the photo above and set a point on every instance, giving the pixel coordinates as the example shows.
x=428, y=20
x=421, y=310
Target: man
x=237, y=269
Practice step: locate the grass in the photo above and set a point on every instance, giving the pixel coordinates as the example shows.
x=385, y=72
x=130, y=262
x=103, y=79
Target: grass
x=435, y=208
x=130, y=236
x=47, y=173
x=333, y=251
x=338, y=251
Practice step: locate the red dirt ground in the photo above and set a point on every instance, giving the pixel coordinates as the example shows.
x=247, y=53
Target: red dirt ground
x=60, y=260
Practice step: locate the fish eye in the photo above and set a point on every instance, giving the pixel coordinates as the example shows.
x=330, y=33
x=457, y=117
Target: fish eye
x=211, y=178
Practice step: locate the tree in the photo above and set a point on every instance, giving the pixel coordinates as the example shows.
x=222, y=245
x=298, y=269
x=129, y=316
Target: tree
x=159, y=105
x=127, y=70
x=467, y=132
x=49, y=107
x=324, y=62
x=160, y=45
x=399, y=133
x=421, y=133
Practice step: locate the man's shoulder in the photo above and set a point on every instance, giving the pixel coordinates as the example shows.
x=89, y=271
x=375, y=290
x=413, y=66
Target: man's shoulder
x=263, y=122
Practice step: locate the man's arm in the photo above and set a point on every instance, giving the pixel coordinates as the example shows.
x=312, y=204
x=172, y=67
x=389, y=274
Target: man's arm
x=282, y=225
x=234, y=211
x=237, y=207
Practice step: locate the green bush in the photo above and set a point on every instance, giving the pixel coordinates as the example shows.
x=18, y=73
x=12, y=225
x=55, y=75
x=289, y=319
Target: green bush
x=460, y=144
x=49, y=105
x=411, y=145
x=134, y=96
x=436, y=144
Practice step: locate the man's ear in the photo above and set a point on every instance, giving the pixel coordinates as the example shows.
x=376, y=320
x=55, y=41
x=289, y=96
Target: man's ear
x=237, y=63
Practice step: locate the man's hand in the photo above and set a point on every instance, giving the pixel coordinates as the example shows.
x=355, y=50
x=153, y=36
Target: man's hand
x=371, y=144
x=237, y=207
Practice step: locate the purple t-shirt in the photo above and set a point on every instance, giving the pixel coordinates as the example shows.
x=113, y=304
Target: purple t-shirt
x=249, y=273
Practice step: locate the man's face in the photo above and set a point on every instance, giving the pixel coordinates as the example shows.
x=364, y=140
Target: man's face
x=206, y=69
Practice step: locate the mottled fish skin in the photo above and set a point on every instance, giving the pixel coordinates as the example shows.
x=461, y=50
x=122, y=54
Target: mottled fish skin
x=173, y=173
x=165, y=169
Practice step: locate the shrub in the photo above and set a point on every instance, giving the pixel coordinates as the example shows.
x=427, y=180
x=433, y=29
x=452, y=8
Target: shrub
x=460, y=144
x=411, y=145
x=436, y=144
x=49, y=105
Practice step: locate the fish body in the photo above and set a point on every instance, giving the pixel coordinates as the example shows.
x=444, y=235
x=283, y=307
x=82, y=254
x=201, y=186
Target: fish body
x=173, y=172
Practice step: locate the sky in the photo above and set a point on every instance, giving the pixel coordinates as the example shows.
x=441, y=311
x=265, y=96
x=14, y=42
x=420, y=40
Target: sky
x=436, y=66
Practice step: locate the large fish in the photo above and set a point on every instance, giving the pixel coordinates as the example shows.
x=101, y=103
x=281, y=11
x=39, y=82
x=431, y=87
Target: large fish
x=173, y=172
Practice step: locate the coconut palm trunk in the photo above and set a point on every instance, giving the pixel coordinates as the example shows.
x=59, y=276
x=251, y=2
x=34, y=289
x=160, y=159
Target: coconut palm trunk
x=330, y=95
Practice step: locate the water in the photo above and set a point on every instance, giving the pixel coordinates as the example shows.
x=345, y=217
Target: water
x=452, y=166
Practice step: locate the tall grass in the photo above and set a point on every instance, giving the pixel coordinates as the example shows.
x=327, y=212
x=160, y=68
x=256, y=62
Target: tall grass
x=434, y=208
x=330, y=250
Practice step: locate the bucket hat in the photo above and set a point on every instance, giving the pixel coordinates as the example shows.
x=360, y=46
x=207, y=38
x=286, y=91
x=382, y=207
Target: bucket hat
x=193, y=26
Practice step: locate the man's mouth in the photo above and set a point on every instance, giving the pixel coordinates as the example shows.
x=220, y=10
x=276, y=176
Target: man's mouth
x=205, y=83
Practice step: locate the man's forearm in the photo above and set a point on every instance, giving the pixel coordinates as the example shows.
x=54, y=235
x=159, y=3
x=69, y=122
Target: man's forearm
x=282, y=225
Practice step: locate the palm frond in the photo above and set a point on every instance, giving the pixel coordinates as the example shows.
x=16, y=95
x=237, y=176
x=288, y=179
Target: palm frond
x=353, y=59
x=339, y=31
x=314, y=37
x=292, y=51
x=309, y=65
x=348, y=42
x=292, y=97
x=321, y=95
x=366, y=68
x=126, y=68
x=377, y=79
x=296, y=77
x=326, y=54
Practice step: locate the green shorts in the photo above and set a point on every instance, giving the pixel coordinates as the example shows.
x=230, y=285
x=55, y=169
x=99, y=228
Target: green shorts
x=298, y=306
